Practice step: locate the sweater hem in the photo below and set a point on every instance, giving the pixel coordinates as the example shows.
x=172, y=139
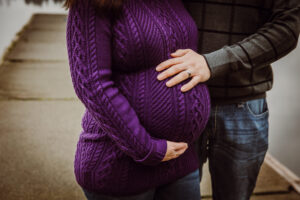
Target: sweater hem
x=164, y=173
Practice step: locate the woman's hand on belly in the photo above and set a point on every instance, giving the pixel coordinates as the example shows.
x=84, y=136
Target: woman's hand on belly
x=174, y=150
x=184, y=60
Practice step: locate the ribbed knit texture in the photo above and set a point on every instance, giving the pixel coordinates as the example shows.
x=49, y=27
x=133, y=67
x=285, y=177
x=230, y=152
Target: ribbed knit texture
x=130, y=114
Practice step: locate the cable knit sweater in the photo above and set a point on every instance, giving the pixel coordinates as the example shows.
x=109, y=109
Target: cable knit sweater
x=130, y=114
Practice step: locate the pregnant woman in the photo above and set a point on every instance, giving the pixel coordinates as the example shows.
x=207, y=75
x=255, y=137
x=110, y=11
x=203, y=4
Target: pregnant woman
x=138, y=134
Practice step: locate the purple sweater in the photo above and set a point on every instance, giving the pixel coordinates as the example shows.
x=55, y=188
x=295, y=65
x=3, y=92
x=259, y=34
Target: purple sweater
x=130, y=114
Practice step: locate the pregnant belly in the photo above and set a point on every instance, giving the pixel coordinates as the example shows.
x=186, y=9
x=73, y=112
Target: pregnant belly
x=166, y=112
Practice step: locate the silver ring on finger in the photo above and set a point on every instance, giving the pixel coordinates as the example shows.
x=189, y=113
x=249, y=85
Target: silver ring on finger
x=189, y=73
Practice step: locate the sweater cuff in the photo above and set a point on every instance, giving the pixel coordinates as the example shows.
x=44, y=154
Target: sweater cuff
x=217, y=62
x=157, y=152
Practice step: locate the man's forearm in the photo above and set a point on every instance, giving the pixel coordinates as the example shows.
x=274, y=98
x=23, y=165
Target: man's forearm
x=273, y=40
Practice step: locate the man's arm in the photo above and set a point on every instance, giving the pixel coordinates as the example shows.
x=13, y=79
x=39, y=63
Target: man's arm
x=273, y=40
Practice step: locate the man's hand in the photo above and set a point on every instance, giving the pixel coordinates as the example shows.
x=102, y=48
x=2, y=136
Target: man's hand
x=184, y=59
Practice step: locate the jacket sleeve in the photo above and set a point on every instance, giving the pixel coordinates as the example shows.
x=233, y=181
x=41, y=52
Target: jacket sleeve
x=276, y=38
x=89, y=52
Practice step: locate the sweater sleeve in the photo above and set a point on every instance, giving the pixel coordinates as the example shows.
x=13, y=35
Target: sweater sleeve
x=275, y=39
x=89, y=51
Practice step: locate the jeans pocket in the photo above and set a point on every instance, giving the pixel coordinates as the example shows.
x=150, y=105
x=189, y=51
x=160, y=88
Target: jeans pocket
x=257, y=107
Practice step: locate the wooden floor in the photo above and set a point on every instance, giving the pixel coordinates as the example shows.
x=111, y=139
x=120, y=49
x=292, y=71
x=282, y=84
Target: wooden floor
x=40, y=122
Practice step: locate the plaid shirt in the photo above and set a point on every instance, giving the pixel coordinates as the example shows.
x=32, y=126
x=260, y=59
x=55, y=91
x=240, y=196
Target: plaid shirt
x=240, y=39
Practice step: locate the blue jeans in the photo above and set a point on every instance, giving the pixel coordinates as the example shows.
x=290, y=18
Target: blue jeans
x=235, y=142
x=186, y=187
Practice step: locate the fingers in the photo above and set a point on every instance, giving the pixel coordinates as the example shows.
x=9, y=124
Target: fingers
x=174, y=150
x=168, y=63
x=180, y=52
x=178, y=78
x=180, y=145
x=171, y=71
x=192, y=83
x=179, y=152
x=179, y=148
x=173, y=61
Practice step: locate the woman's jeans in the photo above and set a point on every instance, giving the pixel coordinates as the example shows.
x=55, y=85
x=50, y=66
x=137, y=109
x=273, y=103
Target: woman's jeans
x=237, y=141
x=185, y=188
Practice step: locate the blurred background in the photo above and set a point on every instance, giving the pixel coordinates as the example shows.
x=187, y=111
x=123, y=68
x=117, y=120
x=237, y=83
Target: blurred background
x=15, y=13
x=40, y=114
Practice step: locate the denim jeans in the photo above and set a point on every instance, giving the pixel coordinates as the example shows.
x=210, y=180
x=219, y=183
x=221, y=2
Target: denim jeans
x=186, y=187
x=235, y=142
